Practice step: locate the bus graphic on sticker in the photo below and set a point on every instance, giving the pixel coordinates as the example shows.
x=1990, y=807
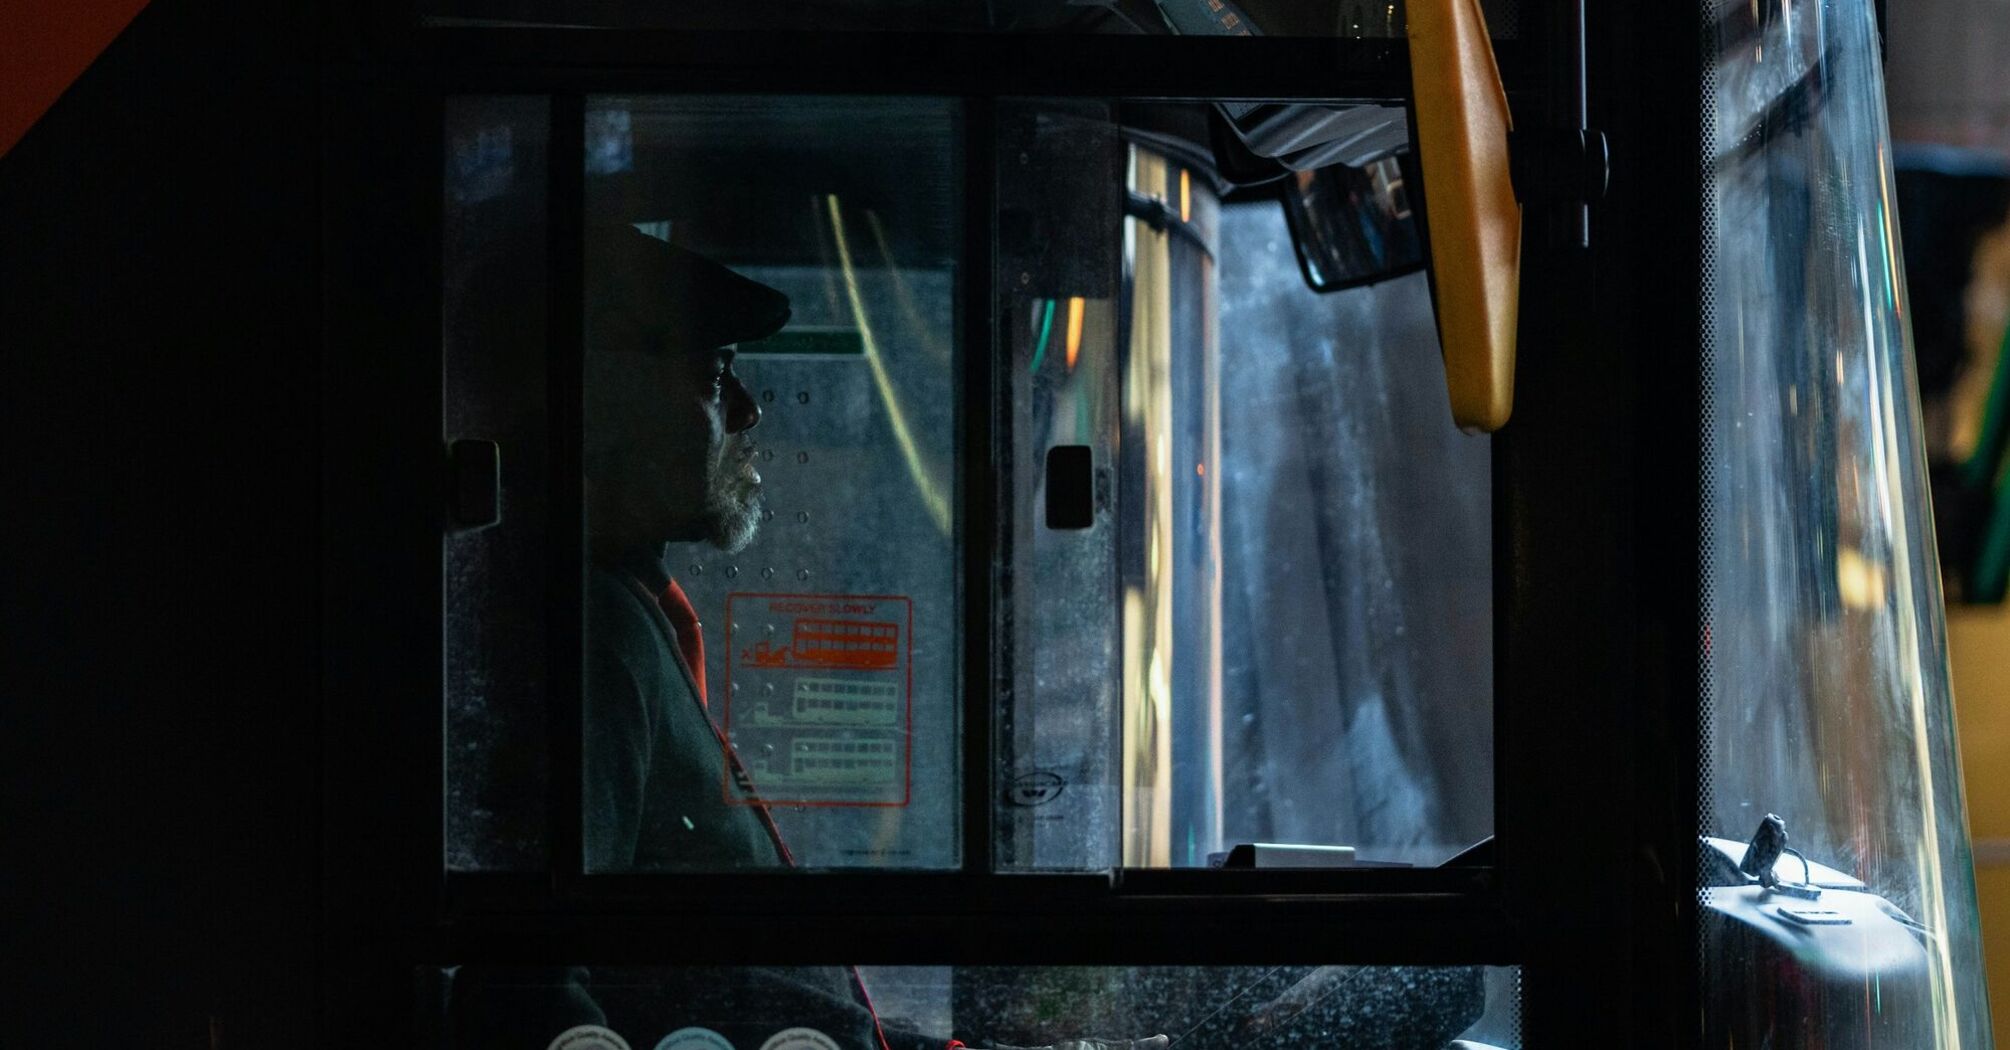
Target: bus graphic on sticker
x=819, y=698
x=853, y=645
x=840, y=702
x=834, y=702
x=856, y=644
x=829, y=763
x=839, y=760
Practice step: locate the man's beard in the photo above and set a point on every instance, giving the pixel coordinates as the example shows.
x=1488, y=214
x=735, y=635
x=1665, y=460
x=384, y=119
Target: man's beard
x=733, y=500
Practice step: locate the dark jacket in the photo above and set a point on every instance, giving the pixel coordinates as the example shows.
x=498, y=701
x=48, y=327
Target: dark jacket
x=654, y=800
x=654, y=773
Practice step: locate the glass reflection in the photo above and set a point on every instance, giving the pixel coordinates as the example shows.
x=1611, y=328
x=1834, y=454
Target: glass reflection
x=1826, y=685
x=1170, y=557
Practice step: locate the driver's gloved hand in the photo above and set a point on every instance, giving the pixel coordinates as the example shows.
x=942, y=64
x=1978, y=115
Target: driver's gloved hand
x=1156, y=1042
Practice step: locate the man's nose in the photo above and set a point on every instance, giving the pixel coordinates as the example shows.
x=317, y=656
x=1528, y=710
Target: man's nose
x=742, y=412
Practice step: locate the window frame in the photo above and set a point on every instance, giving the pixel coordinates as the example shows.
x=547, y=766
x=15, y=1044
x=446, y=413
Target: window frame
x=981, y=486
x=391, y=904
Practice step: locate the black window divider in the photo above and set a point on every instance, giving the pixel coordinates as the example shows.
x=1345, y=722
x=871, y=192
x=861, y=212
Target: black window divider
x=813, y=892
x=1378, y=930
x=565, y=208
x=993, y=65
x=981, y=486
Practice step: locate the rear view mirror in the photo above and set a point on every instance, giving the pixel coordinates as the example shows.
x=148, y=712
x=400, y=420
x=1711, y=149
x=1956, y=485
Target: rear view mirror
x=1352, y=222
x=1345, y=175
x=1352, y=225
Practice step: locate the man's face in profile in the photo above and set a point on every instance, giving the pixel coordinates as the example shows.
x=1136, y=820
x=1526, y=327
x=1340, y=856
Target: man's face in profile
x=669, y=456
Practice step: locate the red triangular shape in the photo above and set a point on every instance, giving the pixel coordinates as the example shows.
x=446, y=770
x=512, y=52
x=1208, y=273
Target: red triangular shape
x=46, y=46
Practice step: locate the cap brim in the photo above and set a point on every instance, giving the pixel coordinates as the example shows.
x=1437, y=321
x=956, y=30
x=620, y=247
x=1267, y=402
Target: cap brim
x=682, y=299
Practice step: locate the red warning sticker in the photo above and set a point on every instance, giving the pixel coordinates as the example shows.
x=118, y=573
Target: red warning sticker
x=818, y=698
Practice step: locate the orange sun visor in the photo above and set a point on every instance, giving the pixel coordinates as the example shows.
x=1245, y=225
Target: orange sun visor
x=1474, y=221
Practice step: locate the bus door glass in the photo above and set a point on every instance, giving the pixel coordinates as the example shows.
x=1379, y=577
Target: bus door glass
x=1838, y=891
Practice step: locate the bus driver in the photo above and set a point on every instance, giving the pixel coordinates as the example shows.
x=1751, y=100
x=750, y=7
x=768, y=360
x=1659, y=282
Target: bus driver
x=668, y=459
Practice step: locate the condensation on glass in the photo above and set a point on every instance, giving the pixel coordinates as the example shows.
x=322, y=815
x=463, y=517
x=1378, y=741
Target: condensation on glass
x=1357, y=599
x=493, y=347
x=1198, y=1007
x=1276, y=626
x=832, y=638
x=1825, y=691
x=1349, y=19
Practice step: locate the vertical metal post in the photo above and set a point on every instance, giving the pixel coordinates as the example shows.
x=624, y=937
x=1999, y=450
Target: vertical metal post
x=984, y=428
x=1577, y=105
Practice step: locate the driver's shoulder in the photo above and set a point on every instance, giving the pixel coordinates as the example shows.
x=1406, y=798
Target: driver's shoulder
x=622, y=619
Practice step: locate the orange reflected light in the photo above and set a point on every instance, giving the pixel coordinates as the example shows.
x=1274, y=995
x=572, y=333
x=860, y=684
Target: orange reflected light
x=1200, y=469
x=1860, y=581
x=1076, y=304
x=1185, y=197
